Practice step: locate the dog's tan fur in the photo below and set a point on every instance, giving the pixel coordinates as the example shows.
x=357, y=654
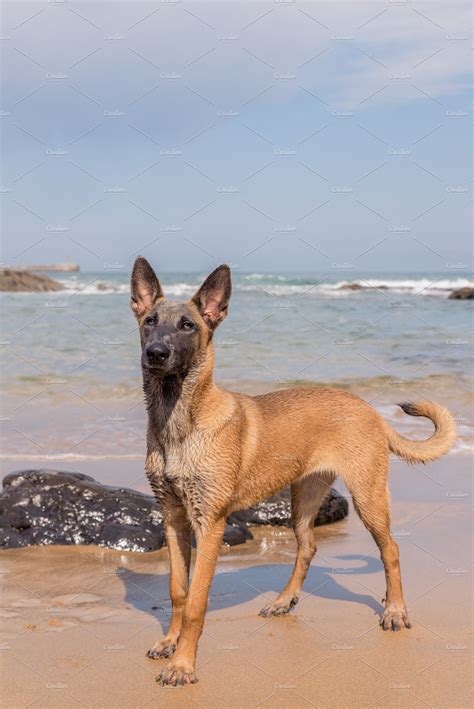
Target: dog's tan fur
x=212, y=451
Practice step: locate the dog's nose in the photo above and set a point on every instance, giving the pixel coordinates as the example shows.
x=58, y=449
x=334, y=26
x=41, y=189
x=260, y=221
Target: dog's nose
x=158, y=353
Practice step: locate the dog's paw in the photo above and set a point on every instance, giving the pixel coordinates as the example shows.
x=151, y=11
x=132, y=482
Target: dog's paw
x=162, y=649
x=395, y=620
x=176, y=674
x=278, y=607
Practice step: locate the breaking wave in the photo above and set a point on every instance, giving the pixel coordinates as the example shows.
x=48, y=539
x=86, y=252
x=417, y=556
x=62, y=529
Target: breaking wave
x=276, y=284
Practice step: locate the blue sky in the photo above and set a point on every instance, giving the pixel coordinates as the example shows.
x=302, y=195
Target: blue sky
x=274, y=136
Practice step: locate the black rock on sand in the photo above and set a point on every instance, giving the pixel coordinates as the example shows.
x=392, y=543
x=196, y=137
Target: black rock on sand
x=39, y=507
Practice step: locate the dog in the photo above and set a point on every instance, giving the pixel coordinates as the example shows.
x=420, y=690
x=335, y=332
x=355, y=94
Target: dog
x=210, y=452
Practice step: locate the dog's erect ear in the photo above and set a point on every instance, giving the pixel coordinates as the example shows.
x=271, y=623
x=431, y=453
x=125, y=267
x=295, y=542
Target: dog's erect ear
x=145, y=287
x=213, y=297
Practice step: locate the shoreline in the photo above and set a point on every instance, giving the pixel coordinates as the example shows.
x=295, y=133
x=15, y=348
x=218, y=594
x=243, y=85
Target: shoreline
x=89, y=421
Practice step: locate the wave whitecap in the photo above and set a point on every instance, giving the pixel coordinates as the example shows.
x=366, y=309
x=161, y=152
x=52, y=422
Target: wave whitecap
x=281, y=285
x=293, y=286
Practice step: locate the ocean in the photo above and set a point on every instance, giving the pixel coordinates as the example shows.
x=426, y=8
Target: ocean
x=71, y=377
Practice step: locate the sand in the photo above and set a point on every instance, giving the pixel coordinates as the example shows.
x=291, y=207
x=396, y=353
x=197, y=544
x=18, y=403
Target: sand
x=76, y=622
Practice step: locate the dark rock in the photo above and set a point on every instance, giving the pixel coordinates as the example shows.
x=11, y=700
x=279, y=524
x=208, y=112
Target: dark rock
x=276, y=510
x=18, y=281
x=39, y=507
x=351, y=286
x=465, y=293
x=236, y=533
x=354, y=285
x=53, y=507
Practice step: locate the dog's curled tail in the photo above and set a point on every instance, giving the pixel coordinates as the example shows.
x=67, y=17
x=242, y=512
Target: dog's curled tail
x=431, y=448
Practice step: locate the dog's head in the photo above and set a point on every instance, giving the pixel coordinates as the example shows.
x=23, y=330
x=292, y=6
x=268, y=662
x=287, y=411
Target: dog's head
x=174, y=336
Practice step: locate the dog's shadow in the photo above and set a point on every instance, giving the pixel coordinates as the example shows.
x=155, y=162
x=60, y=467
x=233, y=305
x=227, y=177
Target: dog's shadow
x=149, y=592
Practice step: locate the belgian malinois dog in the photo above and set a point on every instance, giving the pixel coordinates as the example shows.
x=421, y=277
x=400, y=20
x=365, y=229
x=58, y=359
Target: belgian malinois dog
x=210, y=452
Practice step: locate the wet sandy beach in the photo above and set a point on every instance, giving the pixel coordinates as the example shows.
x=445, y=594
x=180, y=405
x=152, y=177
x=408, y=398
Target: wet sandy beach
x=77, y=621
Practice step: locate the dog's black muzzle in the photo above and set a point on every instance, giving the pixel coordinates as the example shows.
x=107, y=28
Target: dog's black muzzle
x=157, y=356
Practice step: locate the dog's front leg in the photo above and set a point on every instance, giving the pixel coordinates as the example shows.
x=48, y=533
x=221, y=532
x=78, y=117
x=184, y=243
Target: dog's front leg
x=178, y=537
x=181, y=669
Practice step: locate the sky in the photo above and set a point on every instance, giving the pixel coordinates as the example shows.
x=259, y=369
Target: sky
x=276, y=136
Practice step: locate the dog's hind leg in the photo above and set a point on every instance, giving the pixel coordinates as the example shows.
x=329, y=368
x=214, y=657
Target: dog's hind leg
x=306, y=498
x=371, y=502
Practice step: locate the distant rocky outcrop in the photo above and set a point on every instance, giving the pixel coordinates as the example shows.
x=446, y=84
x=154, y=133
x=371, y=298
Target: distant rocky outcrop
x=24, y=281
x=465, y=293
x=41, y=507
x=360, y=286
x=351, y=286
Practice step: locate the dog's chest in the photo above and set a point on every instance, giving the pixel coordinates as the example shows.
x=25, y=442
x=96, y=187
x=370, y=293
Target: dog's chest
x=185, y=478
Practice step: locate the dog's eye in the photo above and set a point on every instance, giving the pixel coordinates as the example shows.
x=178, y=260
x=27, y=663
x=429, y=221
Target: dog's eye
x=186, y=325
x=150, y=320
